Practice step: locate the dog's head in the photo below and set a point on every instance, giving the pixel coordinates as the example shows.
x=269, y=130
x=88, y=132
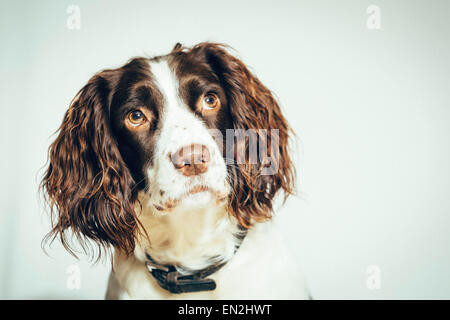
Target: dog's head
x=191, y=128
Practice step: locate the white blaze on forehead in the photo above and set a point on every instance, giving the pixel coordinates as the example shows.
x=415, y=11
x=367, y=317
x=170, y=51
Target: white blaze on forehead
x=176, y=115
x=166, y=81
x=179, y=126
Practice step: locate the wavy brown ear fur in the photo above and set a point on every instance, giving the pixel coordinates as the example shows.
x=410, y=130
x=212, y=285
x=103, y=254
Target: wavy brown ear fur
x=87, y=185
x=252, y=106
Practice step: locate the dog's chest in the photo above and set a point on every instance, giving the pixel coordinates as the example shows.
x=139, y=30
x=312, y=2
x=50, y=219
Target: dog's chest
x=262, y=268
x=192, y=239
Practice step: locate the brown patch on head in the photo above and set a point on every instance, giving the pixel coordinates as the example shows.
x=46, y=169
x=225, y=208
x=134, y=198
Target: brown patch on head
x=97, y=162
x=245, y=103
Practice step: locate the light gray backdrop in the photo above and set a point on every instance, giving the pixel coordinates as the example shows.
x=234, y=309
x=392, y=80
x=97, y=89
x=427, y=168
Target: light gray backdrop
x=370, y=107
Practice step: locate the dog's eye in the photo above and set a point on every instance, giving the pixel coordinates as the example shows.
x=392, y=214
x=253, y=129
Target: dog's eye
x=136, y=118
x=210, y=101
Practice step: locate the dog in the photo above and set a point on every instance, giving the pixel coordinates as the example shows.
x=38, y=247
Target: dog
x=172, y=164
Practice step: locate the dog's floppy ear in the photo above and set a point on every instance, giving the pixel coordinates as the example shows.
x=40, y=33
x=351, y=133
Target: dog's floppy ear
x=252, y=106
x=87, y=185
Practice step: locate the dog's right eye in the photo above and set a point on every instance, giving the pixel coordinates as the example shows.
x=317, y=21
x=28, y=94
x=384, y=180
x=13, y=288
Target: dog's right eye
x=210, y=101
x=136, y=118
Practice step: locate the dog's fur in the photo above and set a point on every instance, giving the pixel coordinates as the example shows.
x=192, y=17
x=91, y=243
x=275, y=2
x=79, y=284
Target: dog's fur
x=112, y=179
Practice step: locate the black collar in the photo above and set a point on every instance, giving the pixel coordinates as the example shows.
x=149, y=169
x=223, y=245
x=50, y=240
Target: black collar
x=171, y=280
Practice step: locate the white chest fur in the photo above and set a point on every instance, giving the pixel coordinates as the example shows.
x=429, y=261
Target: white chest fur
x=262, y=268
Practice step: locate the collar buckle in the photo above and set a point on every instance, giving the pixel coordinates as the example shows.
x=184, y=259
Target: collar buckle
x=173, y=282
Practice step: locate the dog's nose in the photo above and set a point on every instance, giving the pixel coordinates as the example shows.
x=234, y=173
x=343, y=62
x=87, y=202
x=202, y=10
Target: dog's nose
x=191, y=160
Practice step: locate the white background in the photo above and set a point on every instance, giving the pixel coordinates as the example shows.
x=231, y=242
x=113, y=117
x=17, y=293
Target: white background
x=370, y=108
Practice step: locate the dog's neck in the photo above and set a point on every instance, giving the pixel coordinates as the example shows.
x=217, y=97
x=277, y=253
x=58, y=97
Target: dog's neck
x=188, y=238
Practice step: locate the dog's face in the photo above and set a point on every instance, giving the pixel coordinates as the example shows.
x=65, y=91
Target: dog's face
x=160, y=128
x=169, y=121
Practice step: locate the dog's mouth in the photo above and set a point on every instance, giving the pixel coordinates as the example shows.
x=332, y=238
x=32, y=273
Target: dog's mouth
x=174, y=202
x=197, y=189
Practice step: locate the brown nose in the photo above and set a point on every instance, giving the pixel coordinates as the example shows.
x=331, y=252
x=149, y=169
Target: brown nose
x=191, y=160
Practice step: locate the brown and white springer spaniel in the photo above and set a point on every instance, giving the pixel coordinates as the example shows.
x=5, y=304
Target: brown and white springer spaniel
x=158, y=160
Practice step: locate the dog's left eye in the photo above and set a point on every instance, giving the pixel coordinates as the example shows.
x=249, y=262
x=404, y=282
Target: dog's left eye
x=136, y=118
